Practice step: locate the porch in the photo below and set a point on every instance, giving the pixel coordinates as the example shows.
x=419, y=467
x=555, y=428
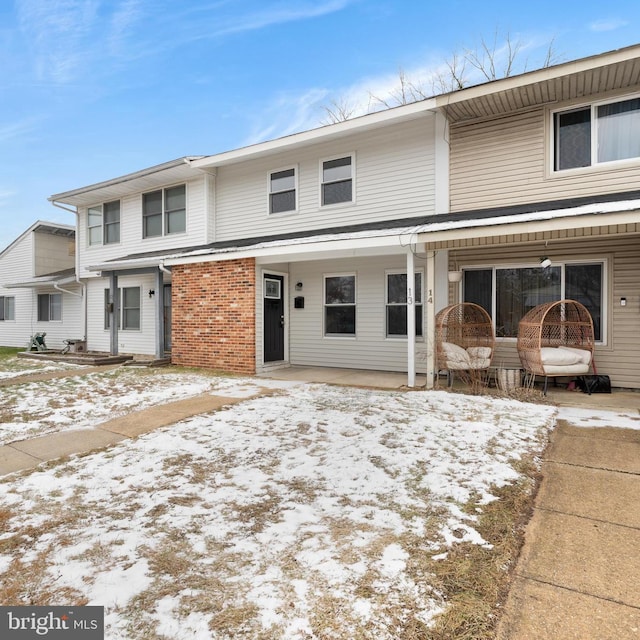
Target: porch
x=618, y=400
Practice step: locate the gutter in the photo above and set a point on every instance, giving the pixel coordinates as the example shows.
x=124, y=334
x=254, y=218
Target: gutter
x=83, y=294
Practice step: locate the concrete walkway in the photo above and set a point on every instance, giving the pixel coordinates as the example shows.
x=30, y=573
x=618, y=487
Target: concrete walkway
x=578, y=575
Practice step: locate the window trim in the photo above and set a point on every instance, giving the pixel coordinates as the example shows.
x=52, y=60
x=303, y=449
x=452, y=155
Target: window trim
x=295, y=190
x=354, y=304
x=49, y=307
x=604, y=260
x=103, y=223
x=4, y=306
x=164, y=213
x=394, y=336
x=594, y=165
x=121, y=310
x=352, y=156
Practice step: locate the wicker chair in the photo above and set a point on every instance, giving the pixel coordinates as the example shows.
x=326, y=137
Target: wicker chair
x=556, y=339
x=465, y=341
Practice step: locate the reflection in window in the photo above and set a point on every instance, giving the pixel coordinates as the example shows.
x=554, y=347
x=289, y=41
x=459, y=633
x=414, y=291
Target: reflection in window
x=340, y=305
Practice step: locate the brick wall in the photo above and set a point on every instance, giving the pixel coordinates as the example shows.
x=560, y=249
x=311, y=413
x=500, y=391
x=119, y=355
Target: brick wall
x=213, y=315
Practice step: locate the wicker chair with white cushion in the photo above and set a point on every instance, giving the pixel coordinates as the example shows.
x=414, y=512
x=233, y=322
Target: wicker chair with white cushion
x=556, y=339
x=465, y=342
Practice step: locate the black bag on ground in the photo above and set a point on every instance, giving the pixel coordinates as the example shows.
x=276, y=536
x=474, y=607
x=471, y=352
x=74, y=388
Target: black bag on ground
x=596, y=383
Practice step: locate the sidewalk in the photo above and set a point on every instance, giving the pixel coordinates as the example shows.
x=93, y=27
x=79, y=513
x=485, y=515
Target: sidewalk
x=578, y=575
x=27, y=454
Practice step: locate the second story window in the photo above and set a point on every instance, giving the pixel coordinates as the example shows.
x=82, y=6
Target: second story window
x=337, y=181
x=103, y=223
x=596, y=133
x=164, y=212
x=282, y=191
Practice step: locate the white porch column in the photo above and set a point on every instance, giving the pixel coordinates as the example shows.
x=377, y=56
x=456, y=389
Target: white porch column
x=411, y=321
x=430, y=318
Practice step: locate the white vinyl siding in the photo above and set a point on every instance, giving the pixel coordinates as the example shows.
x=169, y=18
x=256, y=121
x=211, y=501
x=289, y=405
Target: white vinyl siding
x=134, y=341
x=131, y=240
x=507, y=161
x=370, y=348
x=42, y=253
x=395, y=179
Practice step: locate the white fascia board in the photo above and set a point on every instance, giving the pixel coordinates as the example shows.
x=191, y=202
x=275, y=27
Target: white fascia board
x=68, y=197
x=625, y=212
x=394, y=241
x=539, y=75
x=321, y=134
x=134, y=263
x=42, y=282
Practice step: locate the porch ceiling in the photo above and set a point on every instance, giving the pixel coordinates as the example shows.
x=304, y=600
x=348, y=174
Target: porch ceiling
x=611, y=72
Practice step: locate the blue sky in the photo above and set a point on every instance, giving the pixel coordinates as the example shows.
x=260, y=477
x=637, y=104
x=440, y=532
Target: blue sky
x=91, y=90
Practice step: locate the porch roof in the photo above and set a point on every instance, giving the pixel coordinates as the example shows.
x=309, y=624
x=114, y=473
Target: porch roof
x=396, y=235
x=65, y=276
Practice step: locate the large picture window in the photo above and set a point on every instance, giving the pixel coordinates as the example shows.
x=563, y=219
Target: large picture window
x=7, y=308
x=396, y=304
x=340, y=305
x=103, y=223
x=596, y=134
x=49, y=307
x=510, y=292
x=164, y=212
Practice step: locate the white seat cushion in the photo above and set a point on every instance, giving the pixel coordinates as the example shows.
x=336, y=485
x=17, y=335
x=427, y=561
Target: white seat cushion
x=558, y=357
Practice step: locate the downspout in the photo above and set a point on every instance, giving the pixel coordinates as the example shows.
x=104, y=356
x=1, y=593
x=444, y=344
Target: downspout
x=73, y=293
x=83, y=286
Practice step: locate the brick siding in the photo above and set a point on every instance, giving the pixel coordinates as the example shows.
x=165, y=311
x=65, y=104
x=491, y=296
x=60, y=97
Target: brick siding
x=213, y=315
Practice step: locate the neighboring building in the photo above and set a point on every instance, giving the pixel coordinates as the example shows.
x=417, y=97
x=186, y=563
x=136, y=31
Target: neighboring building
x=547, y=164
x=296, y=251
x=38, y=288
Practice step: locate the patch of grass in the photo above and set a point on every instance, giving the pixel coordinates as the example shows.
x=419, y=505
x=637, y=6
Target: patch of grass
x=475, y=580
x=9, y=352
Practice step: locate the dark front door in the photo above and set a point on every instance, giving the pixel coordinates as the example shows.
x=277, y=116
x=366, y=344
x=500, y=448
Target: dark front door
x=273, y=318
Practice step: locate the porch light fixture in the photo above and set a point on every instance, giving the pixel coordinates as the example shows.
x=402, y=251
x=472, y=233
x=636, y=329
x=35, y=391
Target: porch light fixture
x=545, y=262
x=152, y=293
x=298, y=286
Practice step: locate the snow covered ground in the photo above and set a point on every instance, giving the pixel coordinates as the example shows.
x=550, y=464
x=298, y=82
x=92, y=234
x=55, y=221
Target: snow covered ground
x=310, y=509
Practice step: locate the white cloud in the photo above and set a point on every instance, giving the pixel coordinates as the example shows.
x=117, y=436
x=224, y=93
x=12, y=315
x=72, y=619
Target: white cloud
x=282, y=13
x=608, y=25
x=56, y=32
x=16, y=129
